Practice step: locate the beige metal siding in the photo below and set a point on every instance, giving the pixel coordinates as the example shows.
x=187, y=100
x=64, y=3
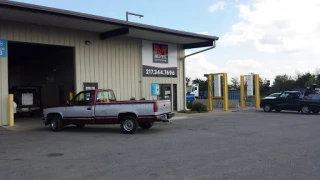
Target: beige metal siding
x=114, y=63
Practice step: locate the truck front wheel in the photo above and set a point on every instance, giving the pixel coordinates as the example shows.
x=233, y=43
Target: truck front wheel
x=129, y=124
x=56, y=123
x=146, y=126
x=267, y=108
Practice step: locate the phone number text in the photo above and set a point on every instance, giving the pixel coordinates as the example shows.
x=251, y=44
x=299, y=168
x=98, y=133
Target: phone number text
x=161, y=72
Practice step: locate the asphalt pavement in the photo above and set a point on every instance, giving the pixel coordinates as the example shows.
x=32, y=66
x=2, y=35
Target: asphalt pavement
x=234, y=145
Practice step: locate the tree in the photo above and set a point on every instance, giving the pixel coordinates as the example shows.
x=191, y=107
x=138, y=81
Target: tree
x=235, y=84
x=203, y=84
x=284, y=82
x=188, y=80
x=302, y=79
x=264, y=86
x=312, y=80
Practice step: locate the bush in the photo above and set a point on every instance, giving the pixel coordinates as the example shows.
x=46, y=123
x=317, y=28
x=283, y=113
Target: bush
x=189, y=104
x=199, y=107
x=132, y=99
x=143, y=99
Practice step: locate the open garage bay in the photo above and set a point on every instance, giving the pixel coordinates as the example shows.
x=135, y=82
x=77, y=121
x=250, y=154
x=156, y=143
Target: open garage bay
x=235, y=145
x=39, y=76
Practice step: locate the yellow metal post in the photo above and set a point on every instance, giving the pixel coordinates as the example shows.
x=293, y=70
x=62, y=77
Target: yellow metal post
x=210, y=92
x=242, y=101
x=225, y=93
x=70, y=96
x=257, y=90
x=11, y=113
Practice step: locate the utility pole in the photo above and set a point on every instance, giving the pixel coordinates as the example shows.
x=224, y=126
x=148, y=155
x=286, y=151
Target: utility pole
x=129, y=13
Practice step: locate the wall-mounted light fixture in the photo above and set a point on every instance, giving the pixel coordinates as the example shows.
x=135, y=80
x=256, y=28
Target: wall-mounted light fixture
x=87, y=42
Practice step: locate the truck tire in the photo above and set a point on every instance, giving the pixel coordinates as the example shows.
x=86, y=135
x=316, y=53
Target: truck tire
x=129, y=124
x=305, y=109
x=146, y=126
x=56, y=123
x=267, y=108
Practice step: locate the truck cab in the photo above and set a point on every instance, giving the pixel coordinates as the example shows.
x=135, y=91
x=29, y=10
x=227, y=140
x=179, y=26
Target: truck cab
x=193, y=89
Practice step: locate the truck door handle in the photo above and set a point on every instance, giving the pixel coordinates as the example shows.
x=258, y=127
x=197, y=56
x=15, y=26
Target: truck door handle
x=89, y=108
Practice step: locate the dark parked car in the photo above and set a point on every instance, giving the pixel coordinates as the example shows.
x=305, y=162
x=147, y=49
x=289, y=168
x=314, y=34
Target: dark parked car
x=27, y=99
x=292, y=101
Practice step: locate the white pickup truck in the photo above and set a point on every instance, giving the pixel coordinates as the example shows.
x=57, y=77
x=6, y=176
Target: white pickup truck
x=101, y=107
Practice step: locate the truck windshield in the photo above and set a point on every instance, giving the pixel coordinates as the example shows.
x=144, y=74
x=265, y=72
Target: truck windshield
x=189, y=89
x=274, y=95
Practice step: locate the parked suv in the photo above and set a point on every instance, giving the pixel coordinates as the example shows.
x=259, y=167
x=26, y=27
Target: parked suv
x=27, y=99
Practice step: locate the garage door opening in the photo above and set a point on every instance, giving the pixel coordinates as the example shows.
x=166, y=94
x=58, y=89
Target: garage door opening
x=39, y=76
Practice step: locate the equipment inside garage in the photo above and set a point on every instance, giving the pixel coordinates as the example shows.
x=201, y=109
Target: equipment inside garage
x=39, y=75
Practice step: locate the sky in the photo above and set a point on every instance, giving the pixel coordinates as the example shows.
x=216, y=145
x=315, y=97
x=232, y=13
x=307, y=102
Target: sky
x=265, y=37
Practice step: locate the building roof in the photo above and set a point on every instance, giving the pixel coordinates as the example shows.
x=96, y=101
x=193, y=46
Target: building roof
x=107, y=27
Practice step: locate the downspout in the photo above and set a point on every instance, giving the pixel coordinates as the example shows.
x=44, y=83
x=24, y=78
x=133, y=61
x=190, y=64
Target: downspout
x=184, y=69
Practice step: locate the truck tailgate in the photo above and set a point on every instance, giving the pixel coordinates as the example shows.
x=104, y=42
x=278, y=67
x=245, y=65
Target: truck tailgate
x=27, y=99
x=164, y=106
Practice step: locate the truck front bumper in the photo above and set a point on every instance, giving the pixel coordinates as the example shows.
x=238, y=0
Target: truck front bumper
x=165, y=117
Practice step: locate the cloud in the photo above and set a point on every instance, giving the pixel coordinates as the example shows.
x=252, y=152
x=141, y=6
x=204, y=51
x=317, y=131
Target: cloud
x=275, y=26
x=217, y=6
x=198, y=65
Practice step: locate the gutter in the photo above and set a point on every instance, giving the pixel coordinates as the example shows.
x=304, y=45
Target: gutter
x=184, y=69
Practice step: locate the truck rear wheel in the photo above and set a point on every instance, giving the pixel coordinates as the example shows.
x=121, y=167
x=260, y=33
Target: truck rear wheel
x=129, y=124
x=305, y=109
x=56, y=123
x=146, y=126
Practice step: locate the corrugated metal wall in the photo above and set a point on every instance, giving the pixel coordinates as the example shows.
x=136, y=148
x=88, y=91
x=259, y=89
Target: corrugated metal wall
x=114, y=63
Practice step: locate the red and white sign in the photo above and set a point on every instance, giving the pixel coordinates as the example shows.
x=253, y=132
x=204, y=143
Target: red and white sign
x=159, y=59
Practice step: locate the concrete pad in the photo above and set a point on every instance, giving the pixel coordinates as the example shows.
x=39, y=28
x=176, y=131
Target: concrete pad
x=26, y=124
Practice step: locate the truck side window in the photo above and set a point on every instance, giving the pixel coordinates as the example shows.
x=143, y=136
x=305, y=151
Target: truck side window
x=83, y=98
x=295, y=96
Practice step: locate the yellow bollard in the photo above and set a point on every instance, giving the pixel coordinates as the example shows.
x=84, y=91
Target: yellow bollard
x=210, y=92
x=257, y=90
x=10, y=108
x=242, y=101
x=225, y=93
x=70, y=96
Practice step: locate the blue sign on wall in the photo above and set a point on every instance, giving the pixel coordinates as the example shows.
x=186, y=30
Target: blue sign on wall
x=154, y=89
x=3, y=48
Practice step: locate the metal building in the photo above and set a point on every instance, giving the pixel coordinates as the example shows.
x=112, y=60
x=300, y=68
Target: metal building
x=62, y=51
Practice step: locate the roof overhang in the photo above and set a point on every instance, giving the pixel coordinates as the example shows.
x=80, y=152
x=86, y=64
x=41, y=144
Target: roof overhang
x=106, y=27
